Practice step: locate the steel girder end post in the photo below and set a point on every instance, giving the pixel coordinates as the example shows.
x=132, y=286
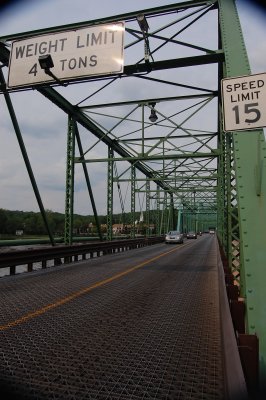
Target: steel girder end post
x=248, y=346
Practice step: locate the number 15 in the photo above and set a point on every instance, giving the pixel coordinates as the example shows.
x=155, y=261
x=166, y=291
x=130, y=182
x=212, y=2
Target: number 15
x=248, y=108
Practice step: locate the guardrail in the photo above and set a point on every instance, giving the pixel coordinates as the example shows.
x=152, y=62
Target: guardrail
x=67, y=254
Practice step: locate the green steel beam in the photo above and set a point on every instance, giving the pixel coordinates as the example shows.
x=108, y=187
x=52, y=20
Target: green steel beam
x=223, y=177
x=70, y=171
x=212, y=154
x=147, y=139
x=110, y=189
x=172, y=212
x=121, y=17
x=157, y=216
x=188, y=190
x=179, y=225
x=135, y=69
x=148, y=101
x=251, y=203
x=216, y=57
x=177, y=179
x=164, y=216
x=147, y=219
x=133, y=202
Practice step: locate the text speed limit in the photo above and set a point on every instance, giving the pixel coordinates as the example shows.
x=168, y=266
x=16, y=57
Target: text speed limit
x=244, y=101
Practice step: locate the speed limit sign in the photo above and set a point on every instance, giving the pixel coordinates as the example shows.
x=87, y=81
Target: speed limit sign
x=244, y=102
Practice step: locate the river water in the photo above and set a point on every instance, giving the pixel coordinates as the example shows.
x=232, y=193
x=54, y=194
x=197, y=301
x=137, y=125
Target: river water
x=22, y=268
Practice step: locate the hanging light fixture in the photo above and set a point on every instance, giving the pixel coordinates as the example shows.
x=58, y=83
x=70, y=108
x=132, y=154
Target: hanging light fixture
x=153, y=117
x=46, y=63
x=143, y=23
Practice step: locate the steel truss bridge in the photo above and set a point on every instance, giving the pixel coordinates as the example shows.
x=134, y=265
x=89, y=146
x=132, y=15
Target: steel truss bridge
x=179, y=168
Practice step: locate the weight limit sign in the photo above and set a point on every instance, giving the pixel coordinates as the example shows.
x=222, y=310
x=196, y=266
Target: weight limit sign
x=244, y=102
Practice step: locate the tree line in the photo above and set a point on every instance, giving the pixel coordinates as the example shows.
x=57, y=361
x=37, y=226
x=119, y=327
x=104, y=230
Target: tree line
x=31, y=223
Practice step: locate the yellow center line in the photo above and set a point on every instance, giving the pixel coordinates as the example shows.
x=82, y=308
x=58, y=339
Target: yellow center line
x=80, y=292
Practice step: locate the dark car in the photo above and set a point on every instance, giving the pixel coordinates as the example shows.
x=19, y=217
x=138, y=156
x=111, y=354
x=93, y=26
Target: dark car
x=191, y=235
x=174, y=237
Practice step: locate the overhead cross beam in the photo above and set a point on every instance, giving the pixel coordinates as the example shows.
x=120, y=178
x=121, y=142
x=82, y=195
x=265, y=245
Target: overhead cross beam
x=166, y=9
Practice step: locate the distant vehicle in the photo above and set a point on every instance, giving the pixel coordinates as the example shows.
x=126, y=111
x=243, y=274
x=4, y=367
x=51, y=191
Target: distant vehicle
x=174, y=237
x=212, y=230
x=191, y=235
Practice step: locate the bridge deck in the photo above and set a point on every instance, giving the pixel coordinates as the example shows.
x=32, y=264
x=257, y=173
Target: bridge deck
x=144, y=324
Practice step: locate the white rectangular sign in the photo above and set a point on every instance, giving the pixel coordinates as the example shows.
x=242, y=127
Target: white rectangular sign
x=244, y=102
x=93, y=50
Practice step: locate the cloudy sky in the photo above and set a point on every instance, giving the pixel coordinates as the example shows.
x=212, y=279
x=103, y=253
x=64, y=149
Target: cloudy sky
x=44, y=127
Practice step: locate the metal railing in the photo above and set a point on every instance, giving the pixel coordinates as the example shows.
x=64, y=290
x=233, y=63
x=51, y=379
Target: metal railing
x=66, y=254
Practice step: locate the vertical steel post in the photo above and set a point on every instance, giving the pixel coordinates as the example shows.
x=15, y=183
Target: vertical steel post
x=148, y=188
x=163, y=224
x=133, y=201
x=194, y=211
x=142, y=130
x=70, y=170
x=157, y=222
x=172, y=214
x=223, y=183
x=251, y=205
x=184, y=220
x=110, y=188
x=179, y=227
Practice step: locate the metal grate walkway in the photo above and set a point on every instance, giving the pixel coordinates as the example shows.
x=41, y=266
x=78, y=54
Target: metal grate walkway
x=153, y=333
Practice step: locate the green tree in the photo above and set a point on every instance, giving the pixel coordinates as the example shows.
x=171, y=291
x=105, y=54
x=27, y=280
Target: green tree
x=3, y=221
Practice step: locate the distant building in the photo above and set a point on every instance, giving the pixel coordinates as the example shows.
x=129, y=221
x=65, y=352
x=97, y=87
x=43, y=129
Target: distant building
x=118, y=228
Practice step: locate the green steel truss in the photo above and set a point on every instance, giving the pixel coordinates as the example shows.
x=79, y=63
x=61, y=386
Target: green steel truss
x=181, y=170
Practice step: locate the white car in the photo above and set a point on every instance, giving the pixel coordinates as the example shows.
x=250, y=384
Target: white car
x=174, y=237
